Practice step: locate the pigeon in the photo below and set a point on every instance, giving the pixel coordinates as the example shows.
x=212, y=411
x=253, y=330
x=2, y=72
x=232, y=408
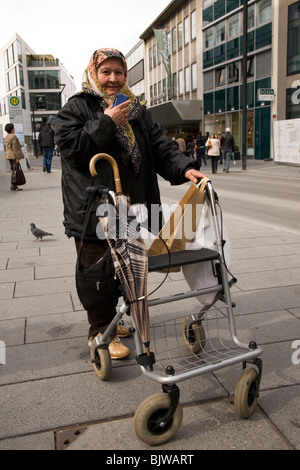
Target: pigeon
x=38, y=233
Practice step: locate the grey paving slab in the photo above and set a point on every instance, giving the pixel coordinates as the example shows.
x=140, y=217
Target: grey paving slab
x=48, y=260
x=44, y=286
x=12, y=332
x=40, y=441
x=200, y=430
x=85, y=399
x=35, y=305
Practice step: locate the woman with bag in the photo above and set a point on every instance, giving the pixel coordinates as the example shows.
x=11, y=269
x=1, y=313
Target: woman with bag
x=13, y=152
x=89, y=124
x=213, y=146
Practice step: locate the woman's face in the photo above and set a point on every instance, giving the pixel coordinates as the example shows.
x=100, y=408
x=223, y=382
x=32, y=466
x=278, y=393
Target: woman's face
x=111, y=76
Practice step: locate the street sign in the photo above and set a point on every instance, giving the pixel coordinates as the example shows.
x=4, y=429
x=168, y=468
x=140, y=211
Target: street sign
x=265, y=94
x=15, y=109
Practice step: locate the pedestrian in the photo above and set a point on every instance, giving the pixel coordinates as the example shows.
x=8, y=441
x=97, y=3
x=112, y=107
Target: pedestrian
x=46, y=141
x=181, y=143
x=13, y=151
x=227, y=145
x=200, y=148
x=190, y=147
x=89, y=124
x=213, y=150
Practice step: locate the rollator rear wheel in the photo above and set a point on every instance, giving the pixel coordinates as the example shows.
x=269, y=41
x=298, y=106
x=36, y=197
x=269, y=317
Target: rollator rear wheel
x=246, y=393
x=193, y=335
x=102, y=363
x=148, y=416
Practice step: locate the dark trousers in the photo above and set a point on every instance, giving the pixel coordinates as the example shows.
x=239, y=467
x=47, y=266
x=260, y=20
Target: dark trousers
x=12, y=163
x=98, y=318
x=214, y=163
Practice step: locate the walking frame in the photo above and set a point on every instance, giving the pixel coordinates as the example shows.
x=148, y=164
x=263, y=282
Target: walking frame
x=187, y=347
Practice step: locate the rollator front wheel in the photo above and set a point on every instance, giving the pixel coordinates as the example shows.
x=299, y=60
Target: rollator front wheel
x=148, y=420
x=246, y=393
x=102, y=363
x=193, y=335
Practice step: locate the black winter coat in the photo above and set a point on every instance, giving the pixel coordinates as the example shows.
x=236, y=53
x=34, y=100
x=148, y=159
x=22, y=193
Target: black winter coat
x=82, y=131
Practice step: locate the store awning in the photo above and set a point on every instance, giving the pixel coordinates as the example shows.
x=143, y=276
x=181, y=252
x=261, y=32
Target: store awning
x=177, y=112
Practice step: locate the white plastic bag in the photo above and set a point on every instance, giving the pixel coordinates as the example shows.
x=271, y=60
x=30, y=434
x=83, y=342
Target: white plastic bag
x=201, y=275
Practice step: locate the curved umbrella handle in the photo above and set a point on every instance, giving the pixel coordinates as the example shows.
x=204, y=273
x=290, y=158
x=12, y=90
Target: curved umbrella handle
x=112, y=161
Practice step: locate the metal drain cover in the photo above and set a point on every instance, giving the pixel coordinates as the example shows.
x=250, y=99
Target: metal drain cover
x=65, y=437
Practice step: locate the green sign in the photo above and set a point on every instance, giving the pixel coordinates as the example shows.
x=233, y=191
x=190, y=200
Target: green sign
x=14, y=101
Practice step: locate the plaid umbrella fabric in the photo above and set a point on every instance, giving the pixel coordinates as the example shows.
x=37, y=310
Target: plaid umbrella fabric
x=129, y=253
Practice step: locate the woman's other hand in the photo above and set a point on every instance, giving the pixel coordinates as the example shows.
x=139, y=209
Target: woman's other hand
x=194, y=175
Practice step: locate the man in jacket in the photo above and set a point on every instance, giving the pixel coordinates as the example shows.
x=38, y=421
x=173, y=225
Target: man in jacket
x=46, y=141
x=90, y=124
x=227, y=146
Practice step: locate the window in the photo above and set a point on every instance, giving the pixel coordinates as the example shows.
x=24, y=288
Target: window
x=209, y=38
x=263, y=64
x=221, y=77
x=174, y=40
x=164, y=89
x=251, y=22
x=187, y=79
x=186, y=30
x=220, y=32
x=208, y=80
x=194, y=77
x=234, y=26
x=38, y=79
x=264, y=11
x=179, y=36
x=17, y=51
x=293, y=50
x=45, y=101
x=233, y=72
x=150, y=58
x=175, y=85
x=193, y=25
x=180, y=82
x=154, y=56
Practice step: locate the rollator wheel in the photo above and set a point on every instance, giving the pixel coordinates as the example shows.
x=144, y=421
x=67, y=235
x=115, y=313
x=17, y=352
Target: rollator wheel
x=193, y=335
x=246, y=393
x=102, y=363
x=147, y=418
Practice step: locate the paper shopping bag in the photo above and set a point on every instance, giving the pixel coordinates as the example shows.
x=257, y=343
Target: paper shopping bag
x=179, y=231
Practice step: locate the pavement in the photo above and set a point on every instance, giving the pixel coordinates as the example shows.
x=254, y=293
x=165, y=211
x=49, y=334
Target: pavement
x=50, y=396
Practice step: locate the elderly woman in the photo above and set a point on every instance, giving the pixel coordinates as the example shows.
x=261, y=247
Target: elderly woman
x=13, y=151
x=89, y=124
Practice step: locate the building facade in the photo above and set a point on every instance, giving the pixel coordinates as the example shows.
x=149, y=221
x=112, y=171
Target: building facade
x=194, y=68
x=40, y=83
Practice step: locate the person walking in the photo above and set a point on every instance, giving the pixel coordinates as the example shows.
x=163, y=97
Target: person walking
x=46, y=141
x=13, y=151
x=89, y=124
x=213, y=146
x=181, y=143
x=200, y=148
x=227, y=145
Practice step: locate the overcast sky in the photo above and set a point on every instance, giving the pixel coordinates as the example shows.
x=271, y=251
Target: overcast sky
x=72, y=30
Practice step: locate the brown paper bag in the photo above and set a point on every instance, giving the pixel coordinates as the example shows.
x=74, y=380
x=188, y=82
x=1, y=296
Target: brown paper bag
x=180, y=229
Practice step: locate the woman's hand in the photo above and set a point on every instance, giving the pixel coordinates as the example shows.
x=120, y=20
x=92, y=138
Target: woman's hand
x=119, y=114
x=194, y=175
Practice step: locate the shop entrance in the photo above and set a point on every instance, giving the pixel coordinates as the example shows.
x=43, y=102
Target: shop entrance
x=262, y=133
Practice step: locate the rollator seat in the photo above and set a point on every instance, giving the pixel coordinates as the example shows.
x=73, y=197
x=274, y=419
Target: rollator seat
x=181, y=258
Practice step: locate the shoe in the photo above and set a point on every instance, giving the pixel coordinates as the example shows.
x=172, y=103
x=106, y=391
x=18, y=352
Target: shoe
x=44, y=169
x=117, y=349
x=227, y=171
x=49, y=171
x=122, y=331
x=16, y=189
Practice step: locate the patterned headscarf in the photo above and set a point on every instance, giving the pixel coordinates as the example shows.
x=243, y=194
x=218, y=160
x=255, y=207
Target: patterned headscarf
x=124, y=134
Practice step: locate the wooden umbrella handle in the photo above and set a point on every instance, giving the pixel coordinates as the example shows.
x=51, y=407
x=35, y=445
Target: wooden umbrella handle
x=112, y=161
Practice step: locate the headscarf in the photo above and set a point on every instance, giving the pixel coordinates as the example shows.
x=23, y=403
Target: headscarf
x=124, y=135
